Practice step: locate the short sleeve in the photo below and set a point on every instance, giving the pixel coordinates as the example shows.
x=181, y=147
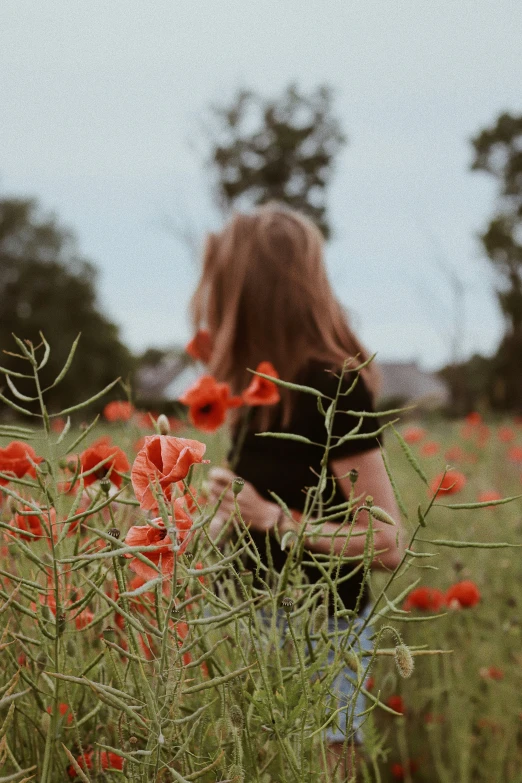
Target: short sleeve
x=354, y=400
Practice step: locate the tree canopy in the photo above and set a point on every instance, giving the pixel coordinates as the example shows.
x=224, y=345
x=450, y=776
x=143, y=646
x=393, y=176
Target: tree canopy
x=498, y=152
x=282, y=149
x=47, y=286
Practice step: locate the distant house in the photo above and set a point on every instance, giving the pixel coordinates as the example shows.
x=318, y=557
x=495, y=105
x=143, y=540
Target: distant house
x=406, y=382
x=403, y=382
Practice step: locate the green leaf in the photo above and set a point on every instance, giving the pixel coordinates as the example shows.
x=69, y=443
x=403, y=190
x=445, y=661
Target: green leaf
x=287, y=436
x=67, y=364
x=14, y=374
x=18, y=394
x=483, y=504
x=47, y=352
x=409, y=455
x=87, y=402
x=288, y=385
x=17, y=408
x=472, y=544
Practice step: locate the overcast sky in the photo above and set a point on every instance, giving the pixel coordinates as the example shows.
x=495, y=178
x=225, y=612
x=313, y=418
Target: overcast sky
x=100, y=104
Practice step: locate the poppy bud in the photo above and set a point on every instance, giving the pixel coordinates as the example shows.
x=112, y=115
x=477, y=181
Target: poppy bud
x=133, y=740
x=70, y=648
x=41, y=661
x=236, y=717
x=369, y=500
x=105, y=485
x=381, y=515
x=60, y=623
x=45, y=722
x=287, y=604
x=319, y=618
x=237, y=486
x=162, y=424
x=352, y=661
x=404, y=660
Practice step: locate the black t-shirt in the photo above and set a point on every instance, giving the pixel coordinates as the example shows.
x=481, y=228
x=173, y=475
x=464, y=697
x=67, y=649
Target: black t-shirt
x=287, y=467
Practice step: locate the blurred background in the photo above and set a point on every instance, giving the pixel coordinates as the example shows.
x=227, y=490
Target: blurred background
x=128, y=130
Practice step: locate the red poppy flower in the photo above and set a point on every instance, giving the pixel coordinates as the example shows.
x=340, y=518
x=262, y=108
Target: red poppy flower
x=430, y=448
x=369, y=684
x=162, y=556
x=491, y=673
x=473, y=419
x=506, y=435
x=489, y=495
x=163, y=460
x=427, y=599
x=208, y=402
x=463, y=594
x=448, y=484
x=57, y=424
x=83, y=619
x=261, y=391
x=396, y=703
x=399, y=772
x=32, y=523
x=515, y=454
x=455, y=454
x=15, y=460
x=200, y=347
x=117, y=410
x=413, y=434
x=432, y=717
x=63, y=709
x=101, y=450
x=106, y=760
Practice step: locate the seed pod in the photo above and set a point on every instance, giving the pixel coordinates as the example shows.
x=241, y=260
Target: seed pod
x=236, y=773
x=319, y=618
x=237, y=486
x=236, y=717
x=404, y=660
x=41, y=661
x=113, y=532
x=109, y=633
x=45, y=722
x=60, y=623
x=352, y=661
x=105, y=485
x=287, y=604
x=162, y=423
x=353, y=475
x=382, y=515
x=70, y=648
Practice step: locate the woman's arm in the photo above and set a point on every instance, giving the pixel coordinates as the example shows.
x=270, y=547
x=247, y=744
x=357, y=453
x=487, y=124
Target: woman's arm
x=373, y=480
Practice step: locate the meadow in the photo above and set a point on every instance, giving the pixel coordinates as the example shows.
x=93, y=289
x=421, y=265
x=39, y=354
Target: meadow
x=134, y=649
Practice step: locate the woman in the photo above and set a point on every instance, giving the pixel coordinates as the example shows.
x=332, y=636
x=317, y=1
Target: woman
x=264, y=296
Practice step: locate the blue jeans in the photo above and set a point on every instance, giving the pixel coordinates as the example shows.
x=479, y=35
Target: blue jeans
x=343, y=688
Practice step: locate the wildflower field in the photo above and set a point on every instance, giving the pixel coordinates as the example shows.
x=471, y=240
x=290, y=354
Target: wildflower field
x=136, y=648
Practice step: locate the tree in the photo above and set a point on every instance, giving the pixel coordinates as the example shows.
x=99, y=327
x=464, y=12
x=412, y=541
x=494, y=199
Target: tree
x=45, y=285
x=498, y=152
x=279, y=149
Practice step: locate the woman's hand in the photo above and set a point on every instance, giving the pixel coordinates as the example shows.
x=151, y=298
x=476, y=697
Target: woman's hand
x=258, y=513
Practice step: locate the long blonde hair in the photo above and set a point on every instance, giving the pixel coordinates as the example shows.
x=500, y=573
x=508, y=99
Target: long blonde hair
x=264, y=295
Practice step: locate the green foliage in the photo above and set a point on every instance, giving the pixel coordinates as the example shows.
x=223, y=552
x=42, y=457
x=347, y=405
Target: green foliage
x=282, y=149
x=498, y=152
x=45, y=285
